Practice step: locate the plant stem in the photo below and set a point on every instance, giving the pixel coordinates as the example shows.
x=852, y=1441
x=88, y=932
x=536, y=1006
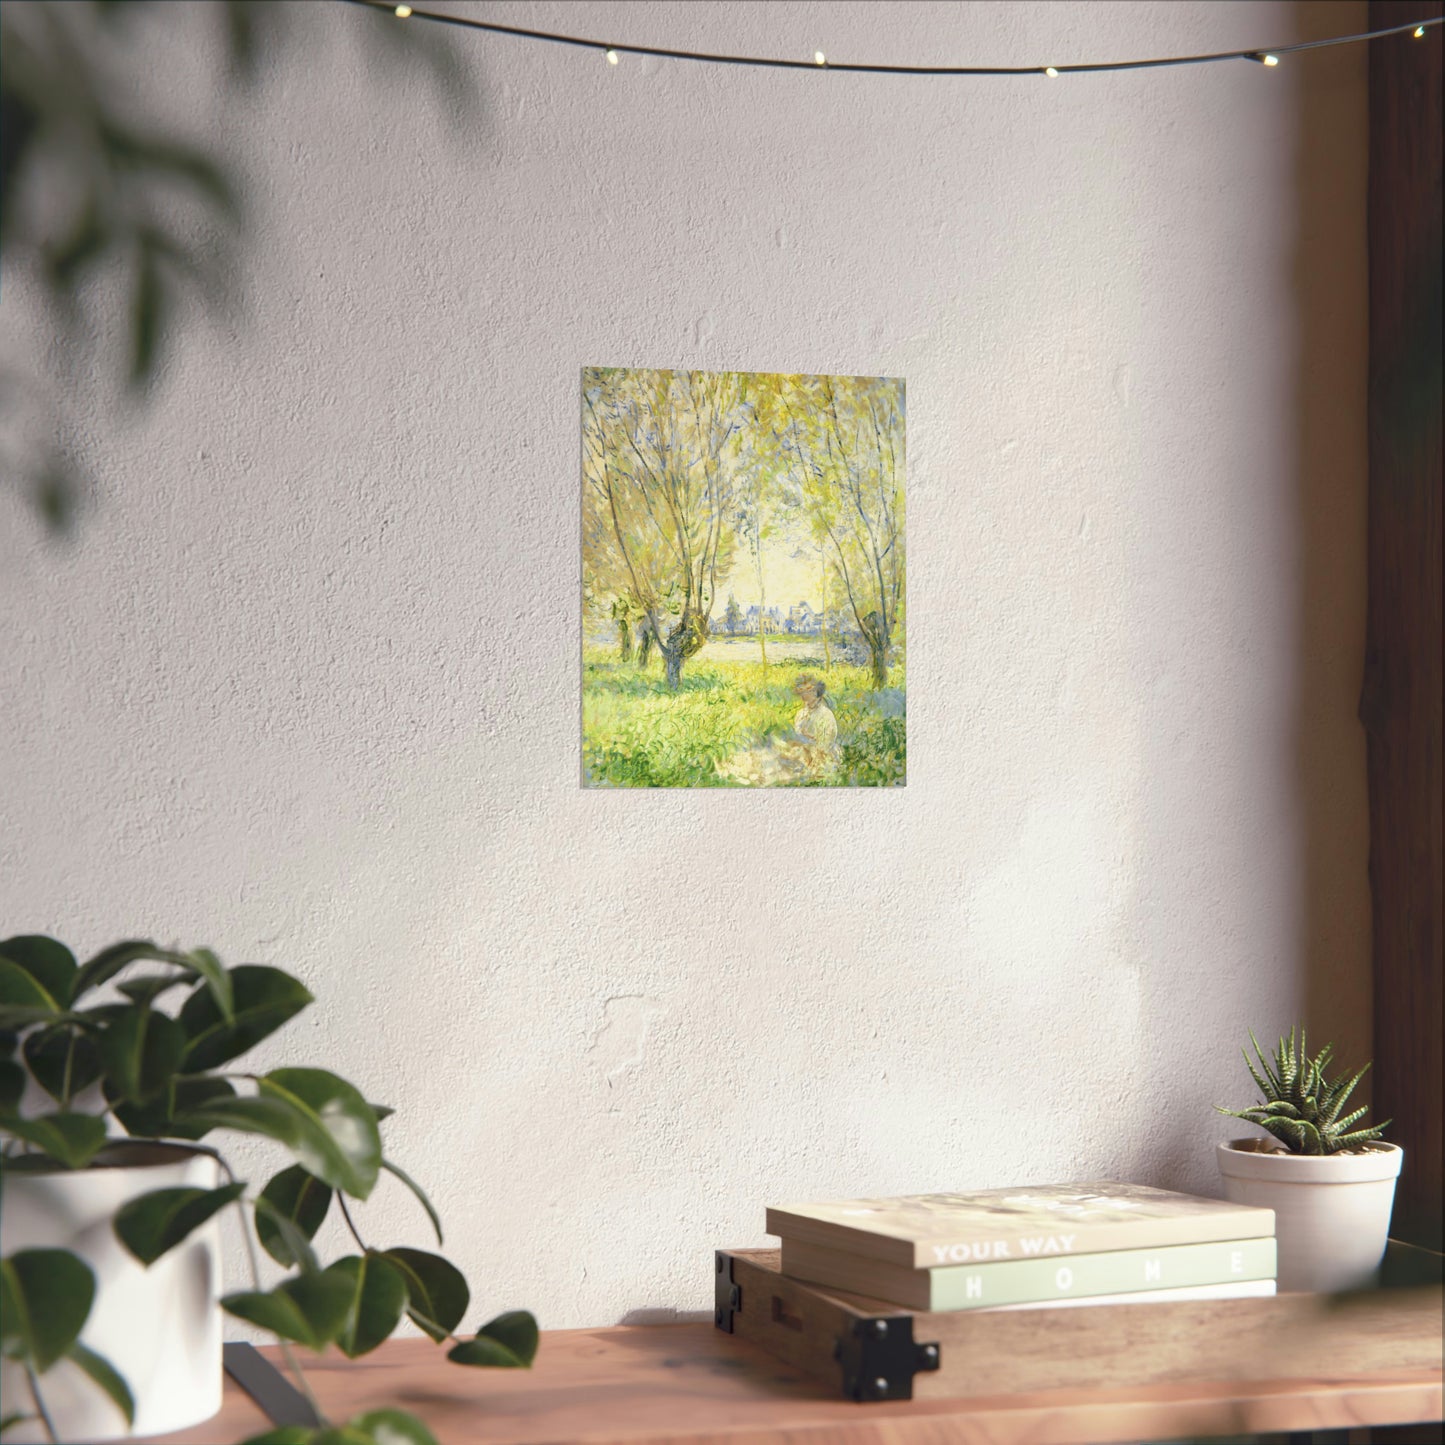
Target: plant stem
x=255, y=1262
x=39, y=1403
x=295, y=1367
x=346, y=1215
x=69, y=1070
x=362, y=1245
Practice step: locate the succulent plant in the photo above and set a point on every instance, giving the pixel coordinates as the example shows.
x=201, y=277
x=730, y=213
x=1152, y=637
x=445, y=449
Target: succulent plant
x=1301, y=1108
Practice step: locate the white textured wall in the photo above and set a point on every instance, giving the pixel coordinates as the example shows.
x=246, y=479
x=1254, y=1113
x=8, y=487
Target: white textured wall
x=305, y=686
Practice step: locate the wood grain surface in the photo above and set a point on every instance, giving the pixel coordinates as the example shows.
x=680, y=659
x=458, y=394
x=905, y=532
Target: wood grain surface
x=1106, y=1346
x=695, y=1384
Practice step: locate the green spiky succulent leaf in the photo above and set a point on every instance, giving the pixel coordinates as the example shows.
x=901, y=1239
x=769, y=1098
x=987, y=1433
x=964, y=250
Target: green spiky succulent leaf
x=1300, y=1107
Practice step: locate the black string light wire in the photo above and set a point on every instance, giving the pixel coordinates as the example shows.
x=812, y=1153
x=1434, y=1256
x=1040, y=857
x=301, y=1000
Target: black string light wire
x=1268, y=56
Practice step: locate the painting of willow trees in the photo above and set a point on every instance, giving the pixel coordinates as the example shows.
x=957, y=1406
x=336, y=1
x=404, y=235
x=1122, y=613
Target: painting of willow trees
x=743, y=580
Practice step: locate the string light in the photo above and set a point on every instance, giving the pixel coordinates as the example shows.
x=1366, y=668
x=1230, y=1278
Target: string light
x=1269, y=57
x=612, y=57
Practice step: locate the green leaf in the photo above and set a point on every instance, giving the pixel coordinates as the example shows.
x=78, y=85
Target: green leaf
x=209, y=967
x=50, y=964
x=310, y=1309
x=142, y=1051
x=298, y=1197
x=109, y=962
x=84, y=242
x=416, y=1189
x=164, y=1116
x=64, y=1060
x=1271, y=1086
x=264, y=999
x=1338, y=1126
x=71, y=1139
x=18, y=1418
x=106, y=1376
x=23, y=999
x=152, y=1224
x=437, y=1294
x=393, y=1427
x=303, y=1257
x=507, y=1342
x=382, y=1111
x=284, y=1435
x=330, y=1142
x=148, y=989
x=341, y=1435
x=175, y=161
x=1337, y=1100
x=148, y=314
x=45, y=1299
x=1362, y=1136
x=378, y=1296
x=12, y=1086
x=341, y=1137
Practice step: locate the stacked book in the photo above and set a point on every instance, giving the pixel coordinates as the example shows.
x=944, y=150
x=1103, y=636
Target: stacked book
x=1072, y=1244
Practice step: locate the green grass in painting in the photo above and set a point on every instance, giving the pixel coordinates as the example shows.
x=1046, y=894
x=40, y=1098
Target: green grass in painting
x=636, y=733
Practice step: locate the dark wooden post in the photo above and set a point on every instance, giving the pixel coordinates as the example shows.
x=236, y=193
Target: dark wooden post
x=1400, y=701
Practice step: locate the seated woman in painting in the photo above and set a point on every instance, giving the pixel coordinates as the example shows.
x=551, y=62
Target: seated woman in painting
x=816, y=726
x=809, y=753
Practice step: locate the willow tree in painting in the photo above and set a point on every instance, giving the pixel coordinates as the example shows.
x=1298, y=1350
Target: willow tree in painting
x=748, y=529
x=842, y=440
x=661, y=449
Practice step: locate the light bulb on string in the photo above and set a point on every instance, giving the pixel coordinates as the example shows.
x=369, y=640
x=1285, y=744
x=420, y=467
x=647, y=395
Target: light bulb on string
x=1260, y=57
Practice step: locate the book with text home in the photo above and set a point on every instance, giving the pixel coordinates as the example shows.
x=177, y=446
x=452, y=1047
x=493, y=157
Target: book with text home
x=1033, y=1281
x=1246, y=1289
x=923, y=1231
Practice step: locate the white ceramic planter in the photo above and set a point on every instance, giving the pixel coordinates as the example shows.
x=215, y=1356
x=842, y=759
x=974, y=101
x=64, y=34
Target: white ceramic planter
x=1331, y=1212
x=160, y=1327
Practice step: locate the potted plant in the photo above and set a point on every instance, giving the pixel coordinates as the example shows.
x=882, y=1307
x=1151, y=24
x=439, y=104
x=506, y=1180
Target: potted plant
x=1331, y=1186
x=109, y=1244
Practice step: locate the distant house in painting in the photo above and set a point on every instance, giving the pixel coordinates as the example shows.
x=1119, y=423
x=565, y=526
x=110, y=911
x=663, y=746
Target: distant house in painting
x=802, y=618
x=756, y=617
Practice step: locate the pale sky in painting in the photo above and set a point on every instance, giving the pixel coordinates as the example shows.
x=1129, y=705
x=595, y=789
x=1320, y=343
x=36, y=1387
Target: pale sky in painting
x=785, y=579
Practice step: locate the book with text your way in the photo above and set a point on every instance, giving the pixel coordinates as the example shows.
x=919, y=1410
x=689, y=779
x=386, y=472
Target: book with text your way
x=995, y=1226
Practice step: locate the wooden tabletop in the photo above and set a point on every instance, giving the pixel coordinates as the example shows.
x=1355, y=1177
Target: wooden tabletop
x=695, y=1384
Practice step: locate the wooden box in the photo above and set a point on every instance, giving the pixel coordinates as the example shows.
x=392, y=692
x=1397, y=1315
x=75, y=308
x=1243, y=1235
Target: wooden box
x=871, y=1350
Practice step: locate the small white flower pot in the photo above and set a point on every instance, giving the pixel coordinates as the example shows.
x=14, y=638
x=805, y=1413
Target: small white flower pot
x=160, y=1327
x=1331, y=1211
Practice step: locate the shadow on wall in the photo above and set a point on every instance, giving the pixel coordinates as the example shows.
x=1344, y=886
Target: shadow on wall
x=1331, y=491
x=1325, y=920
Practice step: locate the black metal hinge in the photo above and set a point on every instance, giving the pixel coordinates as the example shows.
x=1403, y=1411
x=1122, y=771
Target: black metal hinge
x=727, y=1296
x=880, y=1358
x=281, y=1402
